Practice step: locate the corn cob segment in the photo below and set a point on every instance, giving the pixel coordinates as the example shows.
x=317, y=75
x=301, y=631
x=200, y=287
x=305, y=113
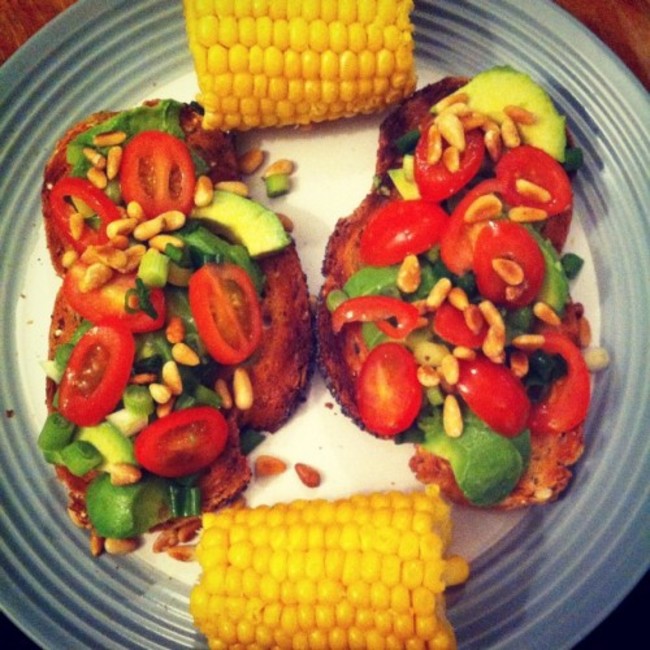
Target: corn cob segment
x=369, y=572
x=279, y=62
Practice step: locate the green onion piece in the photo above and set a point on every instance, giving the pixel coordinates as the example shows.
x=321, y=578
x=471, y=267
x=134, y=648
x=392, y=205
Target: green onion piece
x=184, y=401
x=176, y=499
x=249, y=439
x=80, y=457
x=406, y=143
x=56, y=433
x=175, y=253
x=192, y=501
x=571, y=264
x=142, y=298
x=573, y=159
x=154, y=268
x=277, y=185
x=206, y=396
x=62, y=356
x=138, y=400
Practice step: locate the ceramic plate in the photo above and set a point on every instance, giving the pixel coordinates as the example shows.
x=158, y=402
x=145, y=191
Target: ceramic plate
x=541, y=579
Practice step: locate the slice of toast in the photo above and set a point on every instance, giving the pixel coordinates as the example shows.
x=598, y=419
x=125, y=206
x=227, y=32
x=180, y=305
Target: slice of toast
x=279, y=369
x=340, y=356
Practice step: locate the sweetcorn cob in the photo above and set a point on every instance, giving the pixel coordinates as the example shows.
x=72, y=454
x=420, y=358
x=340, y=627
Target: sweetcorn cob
x=364, y=572
x=276, y=62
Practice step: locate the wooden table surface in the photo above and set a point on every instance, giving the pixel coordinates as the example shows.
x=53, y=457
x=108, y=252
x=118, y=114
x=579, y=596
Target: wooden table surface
x=623, y=25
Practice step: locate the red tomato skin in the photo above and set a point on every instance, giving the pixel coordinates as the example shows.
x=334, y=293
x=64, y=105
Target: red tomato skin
x=389, y=395
x=377, y=309
x=166, y=157
x=495, y=395
x=238, y=335
x=182, y=442
x=436, y=182
x=537, y=166
x=457, y=245
x=509, y=240
x=97, y=374
x=400, y=228
x=107, y=302
x=567, y=404
x=449, y=324
x=94, y=198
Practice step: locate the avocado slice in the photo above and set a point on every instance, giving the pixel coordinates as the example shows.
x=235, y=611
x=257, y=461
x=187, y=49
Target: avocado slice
x=127, y=510
x=555, y=288
x=244, y=221
x=492, y=90
x=109, y=442
x=486, y=465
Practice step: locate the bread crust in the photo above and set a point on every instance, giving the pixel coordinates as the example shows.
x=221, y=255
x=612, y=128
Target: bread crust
x=281, y=367
x=340, y=357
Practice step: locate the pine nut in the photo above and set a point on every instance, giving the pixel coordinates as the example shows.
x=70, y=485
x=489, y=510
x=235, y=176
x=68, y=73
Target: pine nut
x=281, y=166
x=491, y=314
x=121, y=227
x=451, y=159
x=438, y=293
x=161, y=394
x=546, y=314
x=473, y=318
x=203, y=191
x=519, y=363
x=450, y=100
x=172, y=220
x=96, y=544
x=109, y=138
x=434, y=145
x=124, y=473
x=451, y=129
x=450, y=369
x=97, y=177
x=494, y=343
x=458, y=298
x=183, y=354
x=145, y=230
x=510, y=133
x=135, y=211
x=528, y=342
x=171, y=377
x=452, y=419
x=471, y=121
x=428, y=353
x=113, y=162
x=182, y=553
x=428, y=376
x=242, y=389
x=143, y=378
x=95, y=158
x=532, y=190
x=596, y=358
x=508, y=270
x=235, y=187
x=493, y=144
x=95, y=276
x=77, y=224
x=584, y=332
x=266, y=465
x=221, y=388
x=520, y=115
x=250, y=161
x=462, y=352
x=69, y=258
x=308, y=475
x=286, y=222
x=409, y=275
x=134, y=255
x=175, y=330
x=483, y=208
x=160, y=242
x=124, y=546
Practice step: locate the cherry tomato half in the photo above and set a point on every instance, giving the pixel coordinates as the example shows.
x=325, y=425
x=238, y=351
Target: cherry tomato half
x=108, y=302
x=80, y=188
x=96, y=374
x=502, y=242
x=227, y=311
x=436, y=182
x=157, y=171
x=379, y=310
x=567, y=403
x=400, y=228
x=182, y=442
x=494, y=394
x=449, y=324
x=457, y=245
x=535, y=165
x=389, y=395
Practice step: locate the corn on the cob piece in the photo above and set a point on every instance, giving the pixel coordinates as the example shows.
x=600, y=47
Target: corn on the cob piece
x=278, y=62
x=364, y=572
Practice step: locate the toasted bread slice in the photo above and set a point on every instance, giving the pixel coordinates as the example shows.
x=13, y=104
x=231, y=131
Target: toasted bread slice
x=281, y=367
x=340, y=356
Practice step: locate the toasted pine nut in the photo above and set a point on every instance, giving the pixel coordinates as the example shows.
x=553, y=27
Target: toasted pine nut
x=175, y=330
x=69, y=258
x=458, y=298
x=182, y=553
x=451, y=129
x=473, y=318
x=161, y=394
x=451, y=159
x=109, y=138
x=97, y=177
x=77, y=224
x=221, y=389
x=95, y=158
x=143, y=378
x=250, y=161
x=113, y=162
x=543, y=494
x=172, y=220
x=266, y=465
x=525, y=214
x=124, y=473
x=160, y=242
x=95, y=276
x=145, y=230
x=281, y=166
x=452, y=419
x=172, y=377
x=116, y=546
x=96, y=544
x=546, y=314
x=494, y=343
x=428, y=353
x=438, y=293
x=162, y=410
x=528, y=342
x=532, y=190
x=121, y=227
x=135, y=211
x=286, y=222
x=183, y=354
x=434, y=145
x=519, y=363
x=471, y=121
x=134, y=255
x=308, y=475
x=510, y=133
x=428, y=376
x=596, y=358
x=462, y=352
x=203, y=191
x=584, y=332
x=120, y=241
x=450, y=369
x=493, y=144
x=514, y=292
x=450, y=100
x=491, y=314
x=235, y=187
x=520, y=115
x=508, y=270
x=487, y=206
x=242, y=389
x=409, y=275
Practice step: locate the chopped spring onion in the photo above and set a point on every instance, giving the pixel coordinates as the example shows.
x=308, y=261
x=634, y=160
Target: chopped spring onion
x=138, y=400
x=154, y=268
x=128, y=422
x=80, y=457
x=56, y=433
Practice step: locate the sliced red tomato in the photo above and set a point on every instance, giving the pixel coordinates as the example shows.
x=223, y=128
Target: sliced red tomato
x=379, y=310
x=495, y=395
x=400, y=228
x=82, y=189
x=457, y=245
x=508, y=241
x=227, y=311
x=436, y=182
x=389, y=395
x=182, y=442
x=449, y=324
x=535, y=165
x=157, y=171
x=96, y=374
x=109, y=302
x=567, y=403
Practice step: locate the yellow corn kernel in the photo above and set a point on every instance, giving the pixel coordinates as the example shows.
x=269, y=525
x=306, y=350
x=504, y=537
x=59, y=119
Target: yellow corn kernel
x=326, y=574
x=363, y=50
